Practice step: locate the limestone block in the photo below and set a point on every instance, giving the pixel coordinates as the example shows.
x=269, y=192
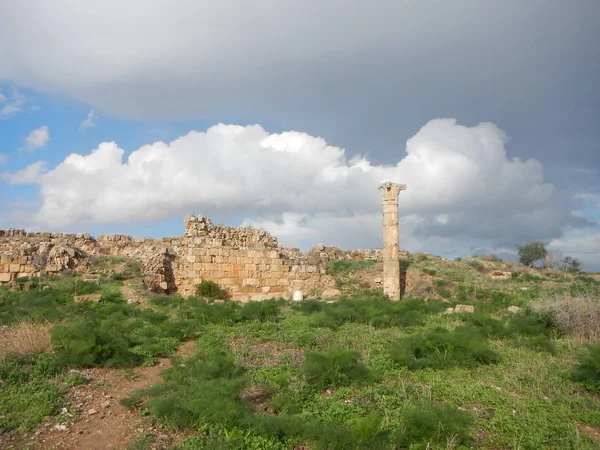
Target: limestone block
x=274, y=254
x=298, y=296
x=5, y=277
x=464, y=308
x=191, y=258
x=514, y=309
x=330, y=294
x=266, y=289
x=15, y=267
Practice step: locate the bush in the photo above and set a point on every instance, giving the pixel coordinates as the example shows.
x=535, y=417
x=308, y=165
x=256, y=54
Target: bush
x=115, y=335
x=373, y=307
x=439, y=348
x=577, y=317
x=477, y=265
x=433, y=425
x=587, y=370
x=211, y=291
x=262, y=311
x=337, y=367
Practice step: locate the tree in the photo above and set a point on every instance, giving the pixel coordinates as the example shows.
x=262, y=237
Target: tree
x=550, y=261
x=532, y=252
x=571, y=264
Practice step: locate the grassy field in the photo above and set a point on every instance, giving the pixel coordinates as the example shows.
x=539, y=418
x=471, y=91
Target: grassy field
x=358, y=373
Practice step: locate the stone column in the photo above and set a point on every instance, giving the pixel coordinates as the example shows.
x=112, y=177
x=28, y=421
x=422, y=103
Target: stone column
x=391, y=253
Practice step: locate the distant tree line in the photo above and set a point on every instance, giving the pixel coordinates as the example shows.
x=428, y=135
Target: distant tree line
x=535, y=253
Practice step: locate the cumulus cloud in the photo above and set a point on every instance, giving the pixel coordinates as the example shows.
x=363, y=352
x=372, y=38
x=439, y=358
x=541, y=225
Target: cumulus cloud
x=37, y=139
x=460, y=180
x=89, y=121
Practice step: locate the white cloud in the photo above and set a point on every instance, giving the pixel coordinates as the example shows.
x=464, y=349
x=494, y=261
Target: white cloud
x=583, y=244
x=3, y=159
x=31, y=174
x=37, y=139
x=89, y=121
x=460, y=183
x=12, y=104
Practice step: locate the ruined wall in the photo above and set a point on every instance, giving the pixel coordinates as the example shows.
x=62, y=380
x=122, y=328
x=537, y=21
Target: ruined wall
x=250, y=263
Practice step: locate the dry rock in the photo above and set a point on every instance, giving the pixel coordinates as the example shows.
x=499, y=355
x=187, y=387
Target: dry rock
x=330, y=294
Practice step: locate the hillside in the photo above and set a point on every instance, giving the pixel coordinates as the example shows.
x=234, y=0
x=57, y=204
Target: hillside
x=480, y=353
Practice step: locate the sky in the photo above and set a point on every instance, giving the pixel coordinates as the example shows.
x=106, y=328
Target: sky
x=288, y=115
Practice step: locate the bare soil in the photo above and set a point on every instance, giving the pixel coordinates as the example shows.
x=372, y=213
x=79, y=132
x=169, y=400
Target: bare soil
x=96, y=420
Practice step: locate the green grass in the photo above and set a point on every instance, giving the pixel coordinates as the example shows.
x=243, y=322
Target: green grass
x=359, y=373
x=30, y=390
x=337, y=268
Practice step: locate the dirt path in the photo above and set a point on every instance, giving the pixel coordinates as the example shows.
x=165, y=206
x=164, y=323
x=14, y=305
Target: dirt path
x=102, y=422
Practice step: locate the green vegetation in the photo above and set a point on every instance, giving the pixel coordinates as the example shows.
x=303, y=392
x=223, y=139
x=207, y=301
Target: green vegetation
x=30, y=390
x=210, y=290
x=347, y=267
x=358, y=373
x=532, y=252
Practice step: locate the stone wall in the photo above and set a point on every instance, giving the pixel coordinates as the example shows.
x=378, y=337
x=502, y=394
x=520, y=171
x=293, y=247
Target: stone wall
x=250, y=263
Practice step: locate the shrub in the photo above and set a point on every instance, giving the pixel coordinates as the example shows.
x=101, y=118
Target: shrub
x=577, y=316
x=337, y=367
x=430, y=272
x=263, y=310
x=439, y=348
x=202, y=391
x=115, y=335
x=24, y=338
x=587, y=370
x=477, y=265
x=211, y=291
x=373, y=307
x=433, y=425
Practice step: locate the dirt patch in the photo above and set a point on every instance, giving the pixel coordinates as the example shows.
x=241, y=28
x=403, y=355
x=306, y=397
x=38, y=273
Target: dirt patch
x=265, y=353
x=259, y=399
x=592, y=432
x=94, y=418
x=130, y=294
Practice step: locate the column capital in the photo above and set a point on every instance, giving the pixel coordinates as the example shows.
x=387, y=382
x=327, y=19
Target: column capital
x=390, y=191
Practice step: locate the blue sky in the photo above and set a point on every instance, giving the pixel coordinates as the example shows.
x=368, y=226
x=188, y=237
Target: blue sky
x=487, y=110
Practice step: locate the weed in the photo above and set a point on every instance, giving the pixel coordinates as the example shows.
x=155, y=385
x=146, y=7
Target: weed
x=337, y=367
x=587, y=371
x=28, y=391
x=435, y=425
x=262, y=311
x=373, y=308
x=24, y=338
x=439, y=348
x=577, y=317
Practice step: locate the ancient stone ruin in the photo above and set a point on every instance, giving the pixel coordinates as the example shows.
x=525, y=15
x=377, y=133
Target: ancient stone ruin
x=391, y=249
x=248, y=262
